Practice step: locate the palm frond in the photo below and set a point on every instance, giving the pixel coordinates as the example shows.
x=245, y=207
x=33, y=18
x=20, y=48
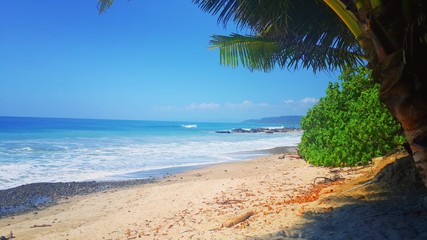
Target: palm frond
x=260, y=53
x=254, y=13
x=308, y=32
x=103, y=5
x=251, y=52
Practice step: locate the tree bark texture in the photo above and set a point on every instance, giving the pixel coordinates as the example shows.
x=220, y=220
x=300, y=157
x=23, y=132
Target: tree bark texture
x=396, y=44
x=404, y=92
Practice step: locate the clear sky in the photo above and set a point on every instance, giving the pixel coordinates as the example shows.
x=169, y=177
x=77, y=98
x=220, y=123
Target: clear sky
x=142, y=59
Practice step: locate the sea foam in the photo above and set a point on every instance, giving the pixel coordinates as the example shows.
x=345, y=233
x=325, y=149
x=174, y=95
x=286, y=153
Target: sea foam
x=112, y=154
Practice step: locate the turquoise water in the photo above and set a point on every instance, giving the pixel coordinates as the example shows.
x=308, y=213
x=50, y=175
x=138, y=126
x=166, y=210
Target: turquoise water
x=57, y=150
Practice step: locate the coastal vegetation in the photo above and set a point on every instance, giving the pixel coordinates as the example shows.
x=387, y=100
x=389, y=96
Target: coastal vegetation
x=349, y=126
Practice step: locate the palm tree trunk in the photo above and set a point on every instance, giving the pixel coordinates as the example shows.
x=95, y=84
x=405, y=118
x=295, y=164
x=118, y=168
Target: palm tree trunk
x=404, y=92
x=397, y=47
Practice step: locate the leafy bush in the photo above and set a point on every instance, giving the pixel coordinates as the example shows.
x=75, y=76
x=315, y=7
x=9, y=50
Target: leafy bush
x=349, y=126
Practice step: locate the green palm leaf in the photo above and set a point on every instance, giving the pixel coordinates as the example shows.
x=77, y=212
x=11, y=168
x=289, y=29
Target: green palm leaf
x=307, y=33
x=253, y=52
x=261, y=53
x=103, y=5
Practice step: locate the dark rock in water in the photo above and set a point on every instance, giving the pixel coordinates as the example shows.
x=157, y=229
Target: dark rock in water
x=253, y=130
x=223, y=131
x=240, y=130
x=261, y=130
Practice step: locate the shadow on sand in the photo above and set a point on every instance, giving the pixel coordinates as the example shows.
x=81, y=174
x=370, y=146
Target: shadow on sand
x=395, y=207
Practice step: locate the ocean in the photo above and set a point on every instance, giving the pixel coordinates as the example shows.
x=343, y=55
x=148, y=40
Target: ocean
x=64, y=150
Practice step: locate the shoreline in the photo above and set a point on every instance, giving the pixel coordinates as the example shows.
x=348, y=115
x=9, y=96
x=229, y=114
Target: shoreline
x=35, y=196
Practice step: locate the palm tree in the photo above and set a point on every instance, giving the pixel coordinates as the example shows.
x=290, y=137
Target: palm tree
x=391, y=35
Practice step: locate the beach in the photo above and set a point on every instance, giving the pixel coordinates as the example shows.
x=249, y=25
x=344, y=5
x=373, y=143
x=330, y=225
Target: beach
x=192, y=204
x=274, y=197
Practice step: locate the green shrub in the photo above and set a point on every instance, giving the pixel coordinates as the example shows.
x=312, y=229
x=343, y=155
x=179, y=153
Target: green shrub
x=349, y=126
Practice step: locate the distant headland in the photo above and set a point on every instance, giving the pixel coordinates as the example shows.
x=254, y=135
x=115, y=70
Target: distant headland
x=295, y=119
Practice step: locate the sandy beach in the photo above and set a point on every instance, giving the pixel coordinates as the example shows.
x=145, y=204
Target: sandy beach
x=274, y=197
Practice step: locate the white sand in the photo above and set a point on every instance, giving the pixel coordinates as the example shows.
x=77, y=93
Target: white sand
x=192, y=205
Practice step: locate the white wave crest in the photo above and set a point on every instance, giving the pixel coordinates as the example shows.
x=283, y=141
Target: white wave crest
x=189, y=126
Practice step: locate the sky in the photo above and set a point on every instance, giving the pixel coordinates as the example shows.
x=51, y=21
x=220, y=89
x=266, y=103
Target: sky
x=141, y=60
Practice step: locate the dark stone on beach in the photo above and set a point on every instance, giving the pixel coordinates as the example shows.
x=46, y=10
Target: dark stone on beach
x=34, y=196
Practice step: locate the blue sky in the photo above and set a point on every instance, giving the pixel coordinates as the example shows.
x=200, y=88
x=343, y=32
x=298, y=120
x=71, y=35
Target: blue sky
x=143, y=59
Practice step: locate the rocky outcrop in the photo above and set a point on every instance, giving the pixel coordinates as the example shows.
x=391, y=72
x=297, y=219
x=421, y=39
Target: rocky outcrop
x=224, y=131
x=260, y=130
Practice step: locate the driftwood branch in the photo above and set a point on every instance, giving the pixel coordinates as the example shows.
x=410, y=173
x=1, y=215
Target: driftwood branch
x=230, y=201
x=238, y=219
x=40, y=225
